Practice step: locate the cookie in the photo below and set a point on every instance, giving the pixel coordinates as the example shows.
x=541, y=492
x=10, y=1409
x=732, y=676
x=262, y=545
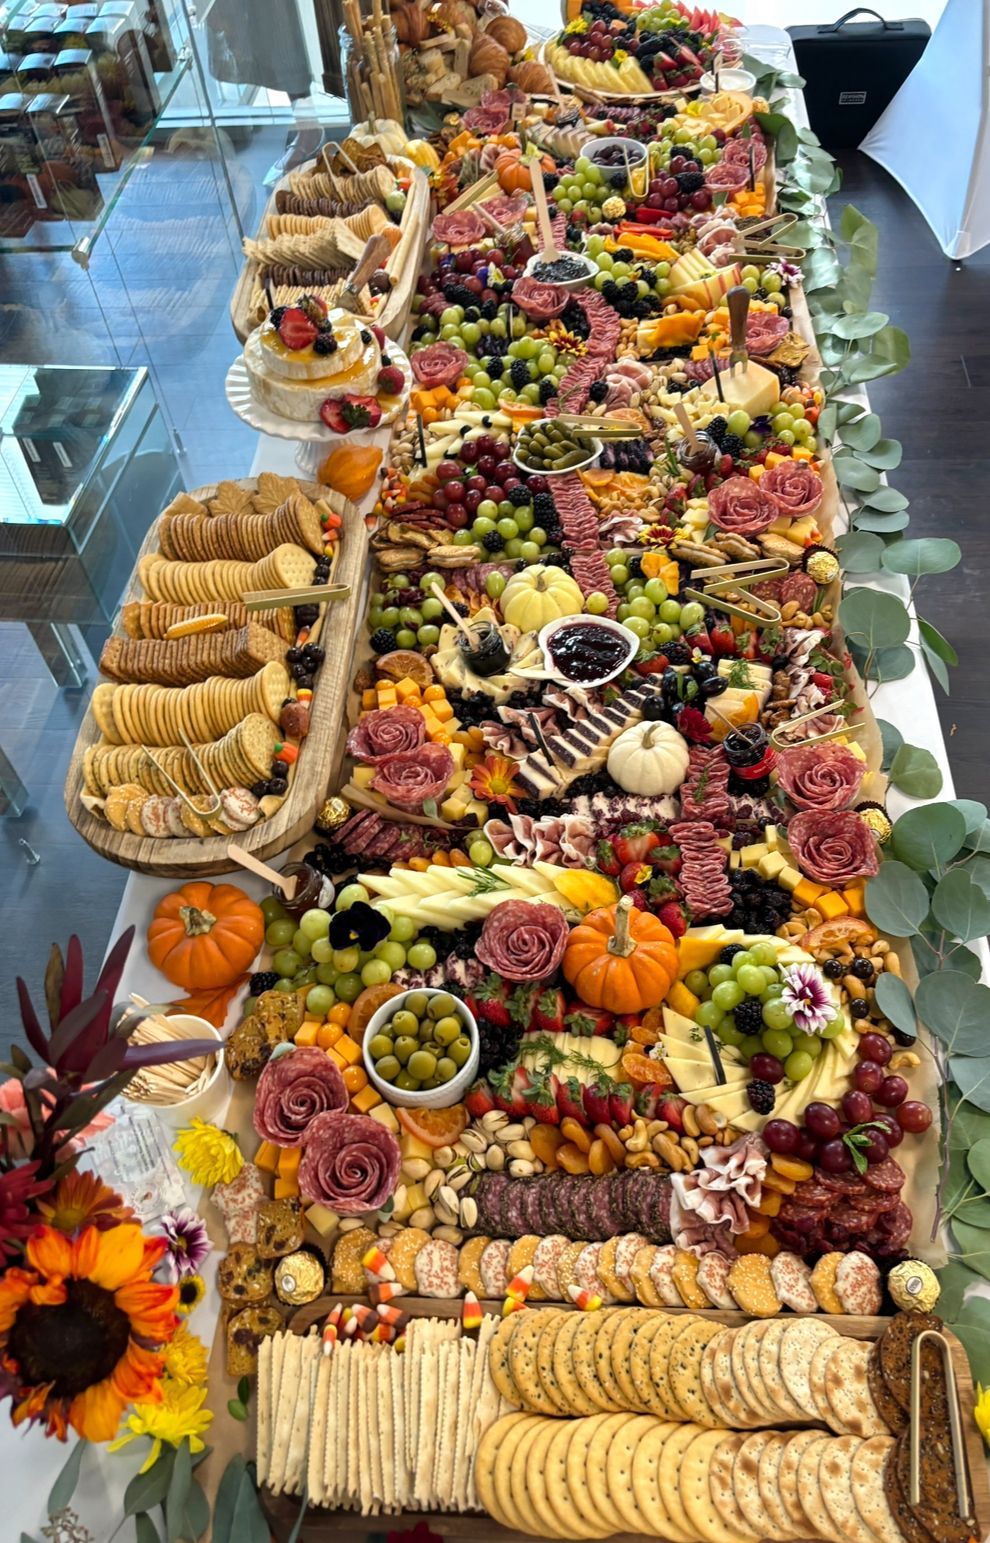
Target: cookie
x=346, y=1270
x=857, y=1284
x=791, y=1279
x=281, y=1227
x=823, y=1283
x=607, y=1273
x=684, y=1273
x=545, y=1261
x=243, y=1276
x=435, y=1268
x=713, y=1278
x=402, y=1257
x=662, y=1276
x=751, y=1284
x=522, y=1254
x=493, y=1267
x=639, y=1274
x=245, y=1331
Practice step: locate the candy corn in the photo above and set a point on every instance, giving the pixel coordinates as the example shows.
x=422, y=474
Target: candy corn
x=382, y=1334
x=376, y=1263
x=512, y=1305
x=331, y=1329
x=394, y=1316
x=362, y=1320
x=385, y=1291
x=519, y=1285
x=471, y=1314
x=586, y=1300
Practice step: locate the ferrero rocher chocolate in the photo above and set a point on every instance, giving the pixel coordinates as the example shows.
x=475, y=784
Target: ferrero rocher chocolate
x=877, y=818
x=913, y=1286
x=300, y=1277
x=821, y=564
x=335, y=813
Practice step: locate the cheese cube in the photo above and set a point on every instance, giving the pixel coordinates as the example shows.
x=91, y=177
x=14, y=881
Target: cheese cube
x=306, y=1034
x=443, y=710
x=735, y=861
x=479, y=810
x=770, y=835
x=366, y=1099
x=725, y=842
x=789, y=878
x=750, y=856
x=457, y=750
x=416, y=1197
x=454, y=808
x=322, y=1220
x=266, y=1157
x=406, y=688
x=289, y=1159
x=369, y=699
x=413, y=1147
x=770, y=864
x=385, y=1115
x=855, y=898
x=832, y=905
x=387, y=696
x=348, y=1049
x=807, y=892
x=286, y=1189
x=361, y=776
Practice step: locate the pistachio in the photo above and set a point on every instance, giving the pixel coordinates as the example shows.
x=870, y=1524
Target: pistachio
x=399, y=1198
x=423, y=1217
x=434, y=1179
x=515, y=1132
x=475, y=1141
x=519, y=1168
x=348, y=1223
x=494, y=1120
x=415, y=1169
x=476, y=1162
x=495, y=1159
x=459, y=1180
x=469, y=1211
x=444, y=1156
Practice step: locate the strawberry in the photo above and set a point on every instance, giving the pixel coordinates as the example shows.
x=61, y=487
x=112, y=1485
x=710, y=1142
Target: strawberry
x=674, y=916
x=722, y=638
x=634, y=843
x=521, y=1003
x=620, y=1104
x=570, y=1103
x=489, y=1002
x=671, y=1109
x=341, y=414
x=502, y=1091
x=295, y=328
x=607, y=860
x=653, y=664
x=666, y=859
x=661, y=889
x=649, y=1098
x=548, y=1011
x=596, y=1100
x=540, y=1100
x=633, y=875
x=587, y=1021
x=391, y=380
x=478, y=1100
x=521, y=1080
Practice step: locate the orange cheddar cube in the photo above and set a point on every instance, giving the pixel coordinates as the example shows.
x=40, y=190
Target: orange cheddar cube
x=267, y=1156
x=365, y=1100
x=807, y=893
x=442, y=710
x=335, y=1054
x=369, y=699
x=774, y=458
x=289, y=1159
x=855, y=898
x=681, y=1000
x=306, y=1033
x=756, y=472
x=348, y=1049
x=406, y=688
x=286, y=1189
x=832, y=905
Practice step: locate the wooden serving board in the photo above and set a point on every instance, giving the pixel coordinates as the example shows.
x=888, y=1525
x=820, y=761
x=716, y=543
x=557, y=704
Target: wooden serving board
x=320, y=1524
x=319, y=759
x=403, y=264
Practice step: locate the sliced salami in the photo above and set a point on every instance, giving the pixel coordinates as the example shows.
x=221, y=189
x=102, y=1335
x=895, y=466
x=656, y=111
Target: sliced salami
x=292, y=1090
x=522, y=940
x=413, y=777
x=833, y=847
x=887, y=1176
x=820, y=776
x=485, y=121
x=739, y=505
x=764, y=330
x=799, y=587
x=506, y=209
x=541, y=302
x=384, y=732
x=350, y=1163
x=460, y=228
x=438, y=364
x=794, y=487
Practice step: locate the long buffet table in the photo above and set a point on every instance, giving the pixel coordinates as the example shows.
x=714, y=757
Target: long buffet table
x=908, y=704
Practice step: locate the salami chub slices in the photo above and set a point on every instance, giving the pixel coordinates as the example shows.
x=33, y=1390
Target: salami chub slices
x=350, y=1163
x=438, y=364
x=821, y=776
x=385, y=732
x=522, y=941
x=460, y=228
x=292, y=1090
x=541, y=302
x=833, y=847
x=739, y=505
x=413, y=777
x=794, y=487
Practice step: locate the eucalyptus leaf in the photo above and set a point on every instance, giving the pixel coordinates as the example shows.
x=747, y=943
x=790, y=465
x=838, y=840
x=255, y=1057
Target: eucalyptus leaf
x=873, y=618
x=855, y=289
x=852, y=473
x=978, y=1161
x=928, y=838
x=891, y=738
x=960, y=906
x=937, y=667
x=177, y=1498
x=896, y=900
x=145, y=1530
x=978, y=840
x=852, y=221
x=864, y=433
x=197, y=1513
x=225, y=1503
x=886, y=499
x=958, y=1183
x=236, y=1409
x=146, y=1490
x=885, y=664
x=976, y=1341
x=859, y=552
x=929, y=554
x=972, y=1248
x=871, y=366
x=867, y=325
x=916, y=772
x=974, y=1211
x=954, y=1008
x=849, y=412
x=972, y=811
x=872, y=519
x=783, y=132
x=972, y=1075
x=894, y=1001
x=936, y=643
x=64, y=1487
x=827, y=423
x=964, y=961
x=821, y=270
x=969, y=1124
x=955, y=1280
x=885, y=455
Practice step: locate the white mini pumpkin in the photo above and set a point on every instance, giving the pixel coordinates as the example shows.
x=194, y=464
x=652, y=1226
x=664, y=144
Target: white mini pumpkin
x=649, y=758
x=539, y=594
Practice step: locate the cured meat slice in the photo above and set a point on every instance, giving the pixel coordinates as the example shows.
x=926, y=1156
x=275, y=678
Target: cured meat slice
x=833, y=847
x=460, y=228
x=292, y=1090
x=794, y=488
x=485, y=121
x=523, y=941
x=413, y=777
x=506, y=209
x=739, y=505
x=542, y=302
x=384, y=732
x=798, y=586
x=764, y=330
x=350, y=1163
x=438, y=364
x=823, y=776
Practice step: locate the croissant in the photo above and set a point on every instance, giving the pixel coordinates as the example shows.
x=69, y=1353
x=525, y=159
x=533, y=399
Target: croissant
x=489, y=58
x=532, y=77
x=508, y=32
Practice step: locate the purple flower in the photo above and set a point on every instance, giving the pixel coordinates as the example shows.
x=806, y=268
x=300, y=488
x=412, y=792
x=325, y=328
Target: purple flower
x=807, y=995
x=188, y=1243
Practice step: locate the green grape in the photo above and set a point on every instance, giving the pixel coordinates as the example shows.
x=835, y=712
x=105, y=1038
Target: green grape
x=280, y=934
x=729, y=1034
x=670, y=611
x=623, y=612
x=525, y=519
x=750, y=978
x=642, y=607
x=272, y=908
x=751, y=1045
x=739, y=422
x=692, y=614
x=538, y=536
x=777, y=1015
x=349, y=987
x=763, y=953
x=727, y=995
x=620, y=575
x=708, y=1014
x=656, y=590
x=403, y=930
x=513, y=547
x=471, y=333
x=798, y=1065
x=349, y=895
x=786, y=436
x=530, y=551
x=718, y=973
x=809, y=1044
x=326, y=974
x=494, y=585
x=696, y=982
x=639, y=625
x=774, y=989
x=322, y=950
x=832, y=1029
x=301, y=943
x=772, y=283
x=286, y=961
x=596, y=604
x=393, y=954
x=319, y=1000
x=422, y=956
x=376, y=972
x=346, y=959
x=778, y=1043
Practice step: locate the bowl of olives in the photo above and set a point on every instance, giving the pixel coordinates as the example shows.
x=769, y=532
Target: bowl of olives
x=421, y=1049
x=545, y=446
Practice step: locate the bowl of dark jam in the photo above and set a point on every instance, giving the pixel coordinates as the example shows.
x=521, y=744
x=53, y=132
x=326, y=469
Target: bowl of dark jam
x=587, y=650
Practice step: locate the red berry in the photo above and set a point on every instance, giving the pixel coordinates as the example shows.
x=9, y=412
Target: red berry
x=767, y=1068
x=857, y=1107
x=891, y=1092
x=868, y=1076
x=822, y=1121
x=457, y=516
x=447, y=471
x=913, y=1115
x=780, y=1135
x=295, y=328
x=834, y=1157
x=873, y=1047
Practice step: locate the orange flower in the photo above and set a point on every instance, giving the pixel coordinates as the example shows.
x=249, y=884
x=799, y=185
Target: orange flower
x=81, y=1327
x=492, y=781
x=82, y=1199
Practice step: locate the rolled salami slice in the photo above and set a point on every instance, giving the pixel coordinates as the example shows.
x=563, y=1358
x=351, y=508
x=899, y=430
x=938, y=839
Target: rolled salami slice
x=485, y=121
x=350, y=1163
x=739, y=505
x=821, y=776
x=522, y=941
x=459, y=228
x=385, y=732
x=412, y=777
x=505, y=208
x=833, y=847
x=542, y=302
x=794, y=487
x=438, y=364
x=764, y=330
x=292, y=1090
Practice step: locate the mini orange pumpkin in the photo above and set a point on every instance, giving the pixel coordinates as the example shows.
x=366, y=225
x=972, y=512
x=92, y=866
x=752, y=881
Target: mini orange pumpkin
x=351, y=470
x=513, y=171
x=621, y=959
x=205, y=935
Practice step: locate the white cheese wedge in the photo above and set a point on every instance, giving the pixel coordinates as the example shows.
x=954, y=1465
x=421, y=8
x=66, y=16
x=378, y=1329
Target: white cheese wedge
x=751, y=387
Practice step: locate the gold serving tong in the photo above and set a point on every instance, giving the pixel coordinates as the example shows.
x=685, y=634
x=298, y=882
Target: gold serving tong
x=180, y=792
x=312, y=594
x=776, y=226
x=722, y=580
x=963, y=1498
x=782, y=740
x=587, y=426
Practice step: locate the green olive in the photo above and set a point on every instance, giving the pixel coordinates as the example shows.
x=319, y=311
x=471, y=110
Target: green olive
x=407, y=1083
x=446, y=1068
x=446, y=1030
x=404, y=1047
x=404, y=1022
x=421, y=1064
x=416, y=1003
x=459, y=1050
x=441, y=1006
x=380, y=1046
x=388, y=1069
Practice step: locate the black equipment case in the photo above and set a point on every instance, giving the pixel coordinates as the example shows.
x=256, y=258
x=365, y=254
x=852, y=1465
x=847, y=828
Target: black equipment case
x=853, y=70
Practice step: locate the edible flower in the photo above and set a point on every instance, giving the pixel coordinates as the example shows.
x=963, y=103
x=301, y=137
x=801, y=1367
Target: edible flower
x=192, y=1290
x=493, y=781
x=209, y=1155
x=81, y=1200
x=981, y=1412
x=693, y=726
x=360, y=926
x=187, y=1240
x=177, y=1417
x=185, y=1357
x=576, y=27
x=807, y=995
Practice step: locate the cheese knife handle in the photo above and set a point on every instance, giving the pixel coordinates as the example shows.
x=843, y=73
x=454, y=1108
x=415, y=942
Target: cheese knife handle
x=737, y=301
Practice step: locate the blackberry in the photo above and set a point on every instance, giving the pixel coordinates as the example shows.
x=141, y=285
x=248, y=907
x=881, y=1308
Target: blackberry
x=275, y=317
x=635, y=566
x=492, y=541
x=489, y=310
x=550, y=180
x=383, y=641
x=597, y=391
x=616, y=179
x=732, y=444
x=690, y=181
x=543, y=504
x=677, y=652
x=263, y=981
x=441, y=942
x=761, y=1095
x=749, y=1016
x=717, y=430
x=729, y=952
x=494, y=367
x=625, y=254
x=518, y=496
x=642, y=307
x=548, y=390
x=610, y=291
x=519, y=373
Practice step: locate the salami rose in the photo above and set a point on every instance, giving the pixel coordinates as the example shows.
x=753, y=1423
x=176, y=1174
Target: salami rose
x=485, y=120
x=412, y=777
x=740, y=505
x=542, y=302
x=728, y=176
x=764, y=330
x=438, y=364
x=387, y=731
x=823, y=776
x=738, y=150
x=794, y=487
x=506, y=209
x=292, y=1090
x=523, y=942
x=459, y=228
x=350, y=1163
x=833, y=848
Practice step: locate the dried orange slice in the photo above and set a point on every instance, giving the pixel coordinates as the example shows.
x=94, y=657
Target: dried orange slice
x=434, y=1127
x=216, y=621
x=843, y=929
x=366, y=1004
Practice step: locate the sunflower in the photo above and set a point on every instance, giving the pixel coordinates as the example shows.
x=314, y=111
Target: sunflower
x=81, y=1200
x=81, y=1326
x=185, y=1357
x=192, y=1290
x=176, y=1416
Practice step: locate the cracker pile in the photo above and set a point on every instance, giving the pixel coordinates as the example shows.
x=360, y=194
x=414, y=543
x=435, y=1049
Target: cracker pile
x=636, y=1473
x=372, y=1429
x=687, y=1369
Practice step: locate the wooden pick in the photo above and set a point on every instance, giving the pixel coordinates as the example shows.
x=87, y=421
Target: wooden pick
x=437, y=592
x=549, y=247
x=690, y=432
x=256, y=866
x=155, y=1017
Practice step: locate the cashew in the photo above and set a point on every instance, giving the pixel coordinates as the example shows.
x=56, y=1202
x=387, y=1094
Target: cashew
x=640, y=1139
x=705, y=1141
x=449, y=1233
x=643, y=1160
x=709, y=1119
x=521, y=1149
x=689, y=1148
x=854, y=987
x=692, y=1125
x=892, y=963
x=903, y=1059
x=665, y=1148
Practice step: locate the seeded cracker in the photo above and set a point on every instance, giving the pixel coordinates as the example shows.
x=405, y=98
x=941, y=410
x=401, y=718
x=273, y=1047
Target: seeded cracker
x=751, y=1284
x=288, y=1384
x=264, y=1397
x=318, y=1431
x=296, y=1463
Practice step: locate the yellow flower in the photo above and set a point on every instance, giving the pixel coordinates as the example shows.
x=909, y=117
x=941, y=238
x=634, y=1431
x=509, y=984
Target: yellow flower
x=178, y=1416
x=619, y=57
x=981, y=1412
x=576, y=27
x=192, y=1290
x=208, y=1155
x=185, y=1357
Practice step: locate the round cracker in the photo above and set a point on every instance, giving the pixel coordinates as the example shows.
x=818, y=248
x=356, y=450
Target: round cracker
x=727, y=1391
x=669, y=1476
x=608, y=1476
x=684, y=1371
x=521, y=1352
x=555, y=1462
x=527, y=1481
x=867, y=1473
x=587, y=1436
x=468, y=1273
x=507, y=1510
x=720, y=1468
x=544, y=1362
x=602, y=1352
x=746, y=1483
x=694, y=1480
x=653, y=1496
x=759, y=1370
x=521, y=1255
x=639, y=1363
x=835, y=1480
x=767, y=1478
x=489, y=1447
x=810, y=1489
x=660, y=1352
x=626, y=1331
x=787, y=1480
x=751, y=1390
x=498, y=1360
x=774, y=1383
x=585, y=1367
x=798, y=1343
x=574, y=1396
x=847, y=1391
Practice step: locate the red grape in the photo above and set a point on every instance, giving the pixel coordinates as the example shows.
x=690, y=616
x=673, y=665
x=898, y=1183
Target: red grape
x=873, y=1047
x=780, y=1135
x=472, y=498
x=501, y=451
x=857, y=1107
x=889, y=1128
x=867, y=1076
x=834, y=1157
x=457, y=516
x=485, y=444
x=486, y=464
x=822, y=1121
x=807, y=1147
x=912, y=1115
x=767, y=1068
x=875, y=1147
x=891, y=1092
x=537, y=484
x=447, y=471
